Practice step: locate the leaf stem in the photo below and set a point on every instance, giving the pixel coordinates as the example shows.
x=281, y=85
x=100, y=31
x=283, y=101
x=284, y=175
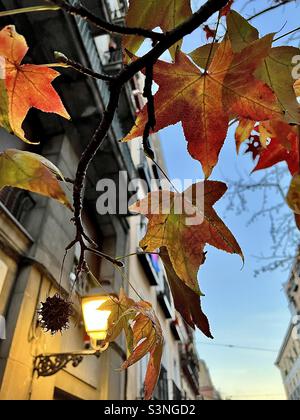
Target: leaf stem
x=212, y=44
x=137, y=253
x=65, y=62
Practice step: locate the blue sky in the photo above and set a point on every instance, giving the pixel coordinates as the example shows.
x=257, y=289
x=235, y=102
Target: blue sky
x=243, y=310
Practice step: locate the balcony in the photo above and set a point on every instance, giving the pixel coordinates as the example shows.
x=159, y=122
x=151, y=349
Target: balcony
x=190, y=367
x=118, y=15
x=113, y=62
x=18, y=202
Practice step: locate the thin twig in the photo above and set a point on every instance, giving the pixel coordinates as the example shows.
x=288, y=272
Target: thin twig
x=269, y=9
x=287, y=34
x=65, y=62
x=212, y=44
x=82, y=12
x=100, y=254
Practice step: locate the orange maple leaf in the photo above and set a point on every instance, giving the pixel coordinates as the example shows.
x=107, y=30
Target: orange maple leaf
x=205, y=101
x=143, y=334
x=281, y=149
x=184, y=224
x=27, y=85
x=227, y=8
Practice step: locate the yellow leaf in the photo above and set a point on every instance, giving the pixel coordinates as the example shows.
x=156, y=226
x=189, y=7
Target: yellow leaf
x=150, y=14
x=276, y=69
x=31, y=172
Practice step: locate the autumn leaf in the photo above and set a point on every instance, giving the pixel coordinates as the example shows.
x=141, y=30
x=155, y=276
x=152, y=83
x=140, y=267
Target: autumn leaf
x=276, y=69
x=265, y=131
x=195, y=98
x=227, y=8
x=31, y=172
x=240, y=32
x=150, y=14
x=4, y=119
x=186, y=301
x=210, y=33
x=26, y=85
x=293, y=196
x=148, y=338
x=254, y=146
x=143, y=334
x=118, y=322
x=243, y=132
x=275, y=141
x=184, y=224
x=275, y=152
x=204, y=55
x=261, y=134
x=297, y=88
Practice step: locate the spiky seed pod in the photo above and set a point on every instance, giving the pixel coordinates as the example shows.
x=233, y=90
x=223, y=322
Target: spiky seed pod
x=55, y=313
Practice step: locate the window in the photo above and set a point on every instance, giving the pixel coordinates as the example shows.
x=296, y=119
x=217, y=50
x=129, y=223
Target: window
x=18, y=202
x=162, y=389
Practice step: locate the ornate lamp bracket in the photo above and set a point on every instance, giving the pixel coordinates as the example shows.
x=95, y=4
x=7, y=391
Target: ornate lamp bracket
x=46, y=365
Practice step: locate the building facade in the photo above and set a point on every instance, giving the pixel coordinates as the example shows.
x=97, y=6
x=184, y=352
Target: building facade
x=35, y=231
x=207, y=390
x=288, y=360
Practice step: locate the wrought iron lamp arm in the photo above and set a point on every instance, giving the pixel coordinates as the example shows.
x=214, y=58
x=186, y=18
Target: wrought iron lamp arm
x=46, y=365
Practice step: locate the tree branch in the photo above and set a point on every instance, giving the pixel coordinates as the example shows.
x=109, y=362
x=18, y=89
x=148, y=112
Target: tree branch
x=84, y=13
x=147, y=61
x=151, y=123
x=66, y=62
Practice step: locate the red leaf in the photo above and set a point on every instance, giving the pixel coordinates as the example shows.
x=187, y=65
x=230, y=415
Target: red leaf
x=227, y=8
x=210, y=33
x=281, y=149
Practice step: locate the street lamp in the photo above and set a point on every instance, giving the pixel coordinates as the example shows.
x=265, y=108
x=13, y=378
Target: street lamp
x=96, y=326
x=95, y=319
